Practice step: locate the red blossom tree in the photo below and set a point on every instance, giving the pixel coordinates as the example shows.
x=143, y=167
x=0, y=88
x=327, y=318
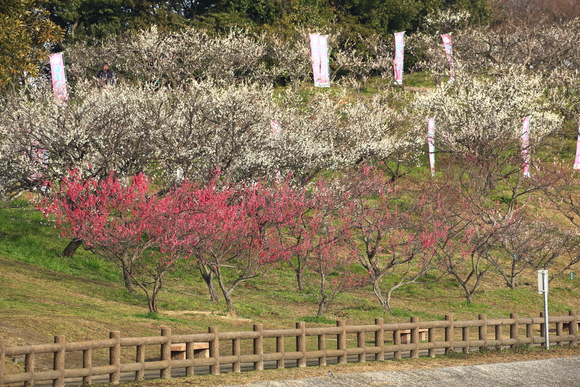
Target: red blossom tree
x=235, y=232
x=391, y=234
x=313, y=241
x=126, y=224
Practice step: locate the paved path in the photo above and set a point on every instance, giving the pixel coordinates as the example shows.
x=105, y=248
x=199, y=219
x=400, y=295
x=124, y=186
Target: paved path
x=563, y=372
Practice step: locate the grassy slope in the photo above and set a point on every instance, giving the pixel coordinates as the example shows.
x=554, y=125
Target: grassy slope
x=43, y=294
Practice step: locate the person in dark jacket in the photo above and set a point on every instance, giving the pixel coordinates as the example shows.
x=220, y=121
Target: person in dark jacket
x=106, y=76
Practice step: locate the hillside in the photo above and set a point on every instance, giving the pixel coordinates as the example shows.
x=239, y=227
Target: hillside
x=44, y=294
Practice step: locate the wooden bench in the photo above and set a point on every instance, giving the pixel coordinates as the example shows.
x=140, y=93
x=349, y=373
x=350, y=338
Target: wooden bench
x=199, y=350
x=406, y=335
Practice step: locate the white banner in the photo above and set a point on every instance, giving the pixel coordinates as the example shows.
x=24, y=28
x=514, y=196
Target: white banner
x=431, y=143
x=577, y=161
x=399, y=57
x=320, y=63
x=276, y=128
x=448, y=44
x=58, y=76
x=526, y=146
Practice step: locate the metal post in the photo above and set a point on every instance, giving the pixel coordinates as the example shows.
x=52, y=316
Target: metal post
x=543, y=289
x=546, y=327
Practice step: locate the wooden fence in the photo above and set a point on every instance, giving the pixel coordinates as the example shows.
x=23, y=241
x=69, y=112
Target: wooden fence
x=132, y=357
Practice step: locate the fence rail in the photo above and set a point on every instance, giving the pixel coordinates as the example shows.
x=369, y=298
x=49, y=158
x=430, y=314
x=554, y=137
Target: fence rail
x=319, y=345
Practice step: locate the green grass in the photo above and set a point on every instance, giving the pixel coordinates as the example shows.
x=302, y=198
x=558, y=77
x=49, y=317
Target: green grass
x=318, y=320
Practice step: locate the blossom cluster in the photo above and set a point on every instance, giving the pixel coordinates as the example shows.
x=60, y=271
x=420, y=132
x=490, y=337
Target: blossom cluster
x=195, y=132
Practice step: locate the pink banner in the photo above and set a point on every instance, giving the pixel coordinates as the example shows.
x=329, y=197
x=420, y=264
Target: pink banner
x=320, y=64
x=448, y=44
x=39, y=158
x=399, y=57
x=526, y=146
x=431, y=143
x=577, y=161
x=276, y=128
x=324, y=63
x=58, y=76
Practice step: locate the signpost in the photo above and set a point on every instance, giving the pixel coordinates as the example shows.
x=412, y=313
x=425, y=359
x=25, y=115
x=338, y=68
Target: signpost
x=543, y=289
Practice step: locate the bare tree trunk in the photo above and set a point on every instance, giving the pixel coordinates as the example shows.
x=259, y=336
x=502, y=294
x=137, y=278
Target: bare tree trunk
x=207, y=276
x=384, y=302
x=300, y=279
x=72, y=247
x=127, y=279
x=152, y=298
x=227, y=294
x=321, y=307
x=323, y=296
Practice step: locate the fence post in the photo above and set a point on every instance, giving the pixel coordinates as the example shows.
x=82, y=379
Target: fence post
x=449, y=334
x=280, y=349
x=397, y=343
x=322, y=347
x=559, y=329
x=530, y=332
x=341, y=341
x=301, y=343
x=431, y=339
x=29, y=360
x=465, y=338
x=58, y=364
x=2, y=361
x=214, y=351
x=88, y=364
x=259, y=347
x=483, y=331
x=236, y=351
x=360, y=343
x=415, y=337
x=515, y=330
x=166, y=352
x=380, y=339
x=115, y=357
x=140, y=358
x=189, y=354
x=498, y=334
x=573, y=328
x=543, y=329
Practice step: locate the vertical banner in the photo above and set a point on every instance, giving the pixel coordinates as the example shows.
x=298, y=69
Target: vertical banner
x=276, y=128
x=399, y=57
x=577, y=161
x=526, y=146
x=58, y=76
x=320, y=63
x=431, y=143
x=324, y=62
x=315, y=53
x=448, y=44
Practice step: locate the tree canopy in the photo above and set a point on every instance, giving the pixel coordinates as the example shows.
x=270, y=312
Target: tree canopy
x=26, y=33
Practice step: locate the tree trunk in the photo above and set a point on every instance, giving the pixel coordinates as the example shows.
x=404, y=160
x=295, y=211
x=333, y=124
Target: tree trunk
x=468, y=293
x=207, y=276
x=384, y=303
x=127, y=280
x=152, y=298
x=323, y=296
x=321, y=308
x=227, y=294
x=300, y=279
x=72, y=247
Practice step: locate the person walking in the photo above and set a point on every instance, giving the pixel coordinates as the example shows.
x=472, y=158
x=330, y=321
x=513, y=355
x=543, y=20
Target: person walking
x=106, y=76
